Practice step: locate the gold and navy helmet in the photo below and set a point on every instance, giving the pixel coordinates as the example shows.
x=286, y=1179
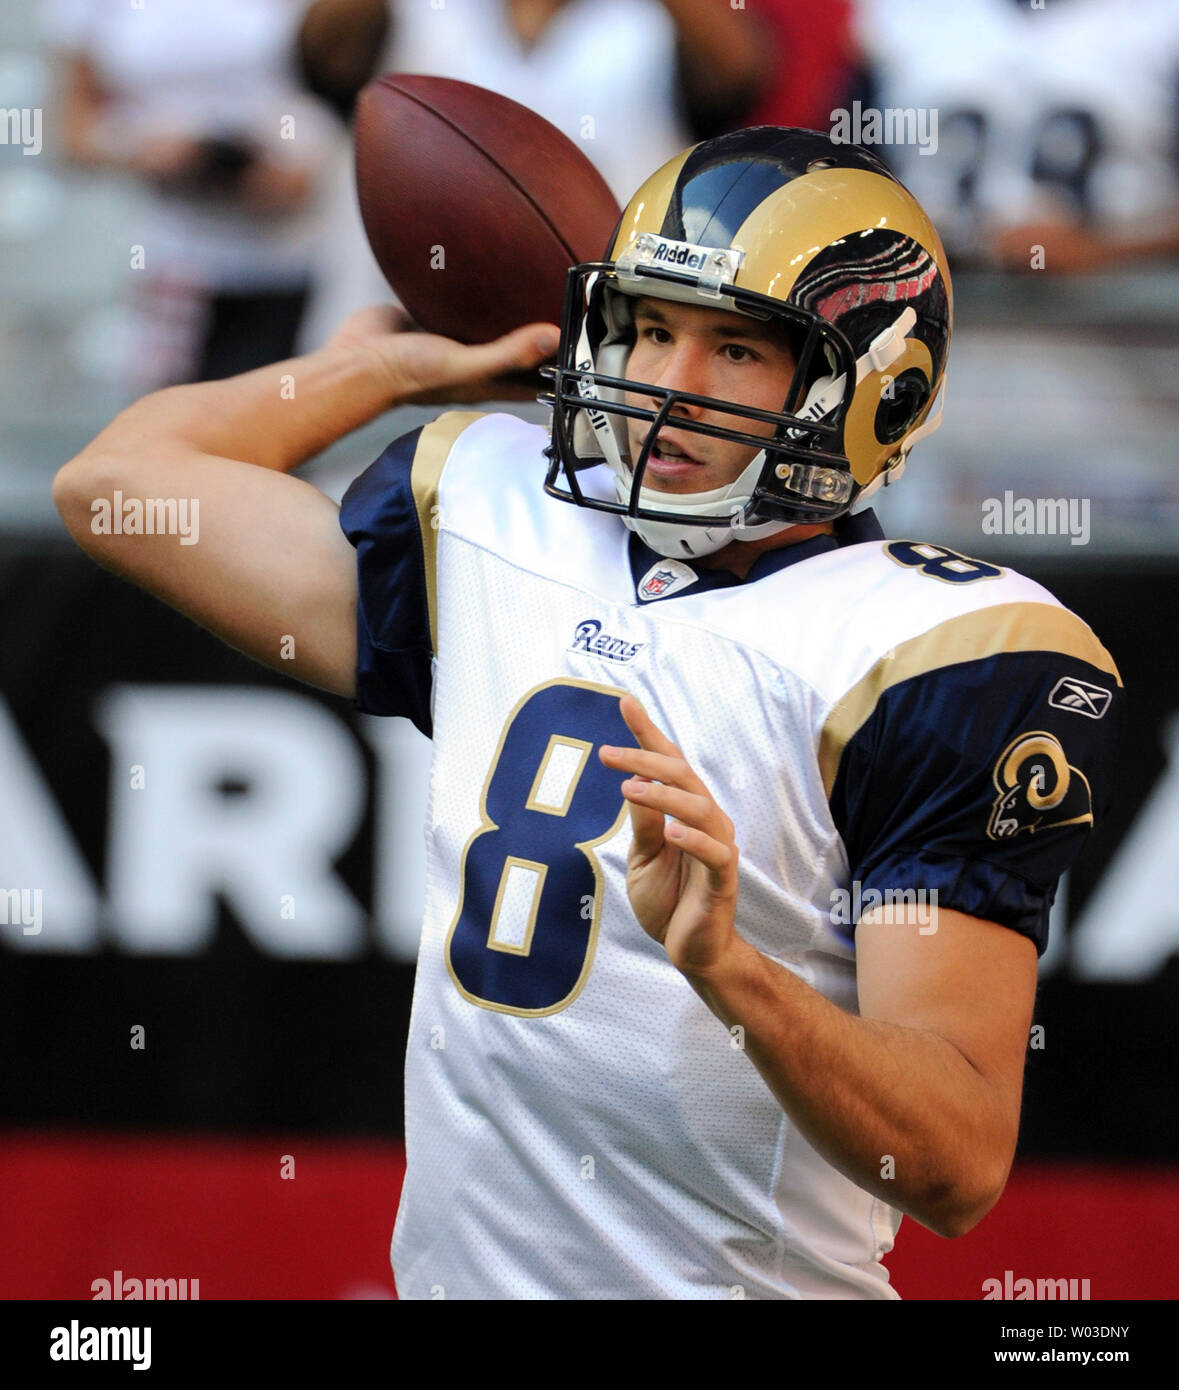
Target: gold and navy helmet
x=790, y=227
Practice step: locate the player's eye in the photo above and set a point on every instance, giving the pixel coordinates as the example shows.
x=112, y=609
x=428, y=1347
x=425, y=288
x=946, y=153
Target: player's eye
x=738, y=352
x=655, y=333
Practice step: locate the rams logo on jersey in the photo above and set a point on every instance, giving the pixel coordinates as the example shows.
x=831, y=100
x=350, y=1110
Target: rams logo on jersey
x=589, y=637
x=1037, y=788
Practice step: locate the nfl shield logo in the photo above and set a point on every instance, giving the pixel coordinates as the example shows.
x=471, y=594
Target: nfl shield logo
x=665, y=577
x=656, y=583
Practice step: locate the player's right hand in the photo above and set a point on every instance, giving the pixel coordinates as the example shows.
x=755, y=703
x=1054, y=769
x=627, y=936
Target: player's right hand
x=681, y=875
x=424, y=368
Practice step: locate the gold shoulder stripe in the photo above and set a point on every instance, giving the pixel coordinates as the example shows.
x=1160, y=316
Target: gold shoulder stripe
x=434, y=445
x=1007, y=627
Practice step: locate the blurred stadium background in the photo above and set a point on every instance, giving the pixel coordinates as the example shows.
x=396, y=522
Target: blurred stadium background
x=253, y=1141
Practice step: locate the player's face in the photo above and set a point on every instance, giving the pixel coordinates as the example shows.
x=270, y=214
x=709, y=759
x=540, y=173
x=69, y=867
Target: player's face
x=707, y=352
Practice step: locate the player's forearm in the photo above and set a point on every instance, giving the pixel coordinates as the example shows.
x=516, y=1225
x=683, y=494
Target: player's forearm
x=899, y=1111
x=276, y=416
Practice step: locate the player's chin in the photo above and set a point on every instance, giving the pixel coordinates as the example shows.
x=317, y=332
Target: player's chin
x=677, y=487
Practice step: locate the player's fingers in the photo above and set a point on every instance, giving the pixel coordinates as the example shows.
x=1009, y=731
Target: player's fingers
x=644, y=728
x=516, y=351
x=647, y=824
x=699, y=812
x=659, y=767
x=719, y=859
x=424, y=367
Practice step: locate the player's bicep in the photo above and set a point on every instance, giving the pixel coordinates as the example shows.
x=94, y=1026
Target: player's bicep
x=969, y=981
x=254, y=555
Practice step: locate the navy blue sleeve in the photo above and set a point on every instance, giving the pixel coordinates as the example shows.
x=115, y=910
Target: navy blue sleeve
x=394, y=651
x=981, y=780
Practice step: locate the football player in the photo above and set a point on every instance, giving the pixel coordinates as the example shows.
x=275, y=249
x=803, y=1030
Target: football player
x=745, y=821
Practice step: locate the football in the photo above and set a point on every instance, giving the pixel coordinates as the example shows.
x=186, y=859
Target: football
x=475, y=207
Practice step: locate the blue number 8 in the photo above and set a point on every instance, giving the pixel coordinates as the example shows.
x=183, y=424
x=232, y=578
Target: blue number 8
x=940, y=562
x=523, y=937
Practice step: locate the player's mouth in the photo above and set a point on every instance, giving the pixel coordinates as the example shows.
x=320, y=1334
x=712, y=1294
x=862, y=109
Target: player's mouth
x=668, y=460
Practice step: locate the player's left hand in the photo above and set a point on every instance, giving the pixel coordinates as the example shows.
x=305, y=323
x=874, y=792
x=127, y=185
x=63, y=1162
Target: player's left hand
x=682, y=873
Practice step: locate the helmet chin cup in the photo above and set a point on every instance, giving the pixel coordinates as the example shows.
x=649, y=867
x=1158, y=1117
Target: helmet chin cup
x=694, y=542
x=678, y=541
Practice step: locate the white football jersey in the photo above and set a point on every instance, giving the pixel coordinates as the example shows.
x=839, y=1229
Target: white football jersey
x=578, y=1123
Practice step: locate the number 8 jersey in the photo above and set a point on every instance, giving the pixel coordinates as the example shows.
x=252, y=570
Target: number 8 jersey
x=877, y=718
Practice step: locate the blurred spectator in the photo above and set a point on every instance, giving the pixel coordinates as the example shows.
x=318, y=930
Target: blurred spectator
x=1058, y=127
x=817, y=66
x=340, y=43
x=199, y=100
x=632, y=82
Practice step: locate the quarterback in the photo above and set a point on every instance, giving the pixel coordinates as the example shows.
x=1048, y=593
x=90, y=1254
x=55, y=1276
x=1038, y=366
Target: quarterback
x=686, y=701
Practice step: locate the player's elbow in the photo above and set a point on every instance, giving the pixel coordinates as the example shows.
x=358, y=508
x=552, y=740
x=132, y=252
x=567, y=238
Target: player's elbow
x=76, y=489
x=85, y=492
x=954, y=1209
x=71, y=486
x=952, y=1222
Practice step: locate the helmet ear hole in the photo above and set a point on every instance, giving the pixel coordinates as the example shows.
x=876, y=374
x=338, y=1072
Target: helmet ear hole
x=900, y=404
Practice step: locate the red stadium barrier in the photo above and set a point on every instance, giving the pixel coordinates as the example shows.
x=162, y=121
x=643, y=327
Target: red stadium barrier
x=78, y=1207
x=1115, y=1225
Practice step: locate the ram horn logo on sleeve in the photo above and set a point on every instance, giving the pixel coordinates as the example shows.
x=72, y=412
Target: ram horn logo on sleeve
x=1037, y=788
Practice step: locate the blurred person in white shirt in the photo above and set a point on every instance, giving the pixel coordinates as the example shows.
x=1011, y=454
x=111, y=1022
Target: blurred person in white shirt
x=200, y=101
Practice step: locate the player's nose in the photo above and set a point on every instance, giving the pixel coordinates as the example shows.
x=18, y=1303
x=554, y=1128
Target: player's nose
x=684, y=368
